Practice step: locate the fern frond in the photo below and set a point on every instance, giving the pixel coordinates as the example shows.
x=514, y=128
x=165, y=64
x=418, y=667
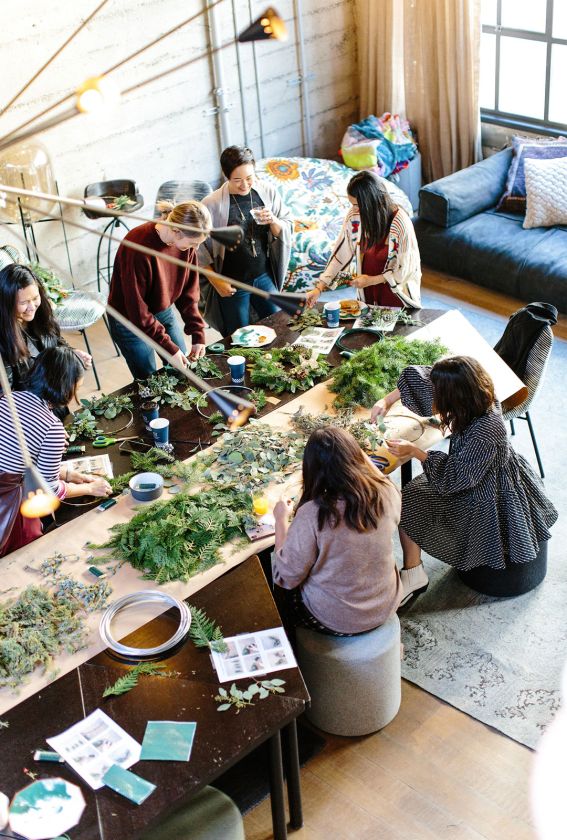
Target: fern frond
x=130, y=680
x=205, y=633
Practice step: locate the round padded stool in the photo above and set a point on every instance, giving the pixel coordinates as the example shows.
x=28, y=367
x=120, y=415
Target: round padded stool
x=210, y=815
x=515, y=579
x=354, y=681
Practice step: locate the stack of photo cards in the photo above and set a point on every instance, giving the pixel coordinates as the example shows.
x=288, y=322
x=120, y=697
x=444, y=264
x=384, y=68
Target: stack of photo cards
x=168, y=740
x=252, y=654
x=92, y=746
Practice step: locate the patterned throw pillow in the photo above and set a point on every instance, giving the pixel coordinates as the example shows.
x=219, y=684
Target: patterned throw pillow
x=546, y=192
x=514, y=197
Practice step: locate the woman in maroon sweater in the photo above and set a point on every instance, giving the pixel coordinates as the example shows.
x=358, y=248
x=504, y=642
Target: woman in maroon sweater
x=145, y=288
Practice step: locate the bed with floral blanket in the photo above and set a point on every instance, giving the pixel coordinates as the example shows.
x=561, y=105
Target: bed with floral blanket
x=315, y=191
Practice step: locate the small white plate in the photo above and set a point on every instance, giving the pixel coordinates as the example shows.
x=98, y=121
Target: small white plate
x=253, y=336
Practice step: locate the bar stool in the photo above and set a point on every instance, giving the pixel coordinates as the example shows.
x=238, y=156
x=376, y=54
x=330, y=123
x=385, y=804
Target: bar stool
x=109, y=191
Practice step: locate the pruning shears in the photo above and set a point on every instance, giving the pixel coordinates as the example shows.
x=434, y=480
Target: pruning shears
x=101, y=441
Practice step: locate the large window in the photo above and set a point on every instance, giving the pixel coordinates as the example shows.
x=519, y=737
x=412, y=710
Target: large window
x=523, y=63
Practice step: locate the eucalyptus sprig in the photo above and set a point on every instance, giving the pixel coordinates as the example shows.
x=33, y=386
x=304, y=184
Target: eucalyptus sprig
x=307, y=318
x=129, y=681
x=108, y=406
x=239, y=699
x=163, y=388
x=205, y=633
x=206, y=368
x=84, y=426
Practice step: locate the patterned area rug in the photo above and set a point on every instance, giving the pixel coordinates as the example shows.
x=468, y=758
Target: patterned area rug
x=500, y=660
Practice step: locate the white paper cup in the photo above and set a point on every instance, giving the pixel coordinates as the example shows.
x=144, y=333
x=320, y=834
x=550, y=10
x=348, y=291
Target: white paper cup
x=160, y=430
x=332, y=312
x=237, y=365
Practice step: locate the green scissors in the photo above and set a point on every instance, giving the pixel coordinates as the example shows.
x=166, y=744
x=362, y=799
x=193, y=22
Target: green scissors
x=101, y=441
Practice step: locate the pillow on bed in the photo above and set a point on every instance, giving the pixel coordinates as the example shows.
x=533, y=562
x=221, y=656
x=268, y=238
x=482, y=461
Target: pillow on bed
x=546, y=192
x=514, y=197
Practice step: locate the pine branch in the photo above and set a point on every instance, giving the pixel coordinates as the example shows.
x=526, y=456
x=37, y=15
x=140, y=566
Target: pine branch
x=205, y=633
x=130, y=680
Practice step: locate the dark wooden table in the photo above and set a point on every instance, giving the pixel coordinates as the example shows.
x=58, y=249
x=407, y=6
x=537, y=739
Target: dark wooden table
x=241, y=602
x=188, y=429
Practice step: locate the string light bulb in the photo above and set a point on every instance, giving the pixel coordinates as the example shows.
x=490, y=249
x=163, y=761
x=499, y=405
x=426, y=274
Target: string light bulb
x=268, y=26
x=95, y=94
x=38, y=499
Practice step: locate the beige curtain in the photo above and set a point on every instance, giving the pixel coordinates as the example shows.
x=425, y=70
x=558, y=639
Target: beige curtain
x=420, y=58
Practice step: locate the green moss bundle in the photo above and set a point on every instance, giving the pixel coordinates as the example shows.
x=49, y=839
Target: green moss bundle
x=373, y=372
x=34, y=628
x=180, y=537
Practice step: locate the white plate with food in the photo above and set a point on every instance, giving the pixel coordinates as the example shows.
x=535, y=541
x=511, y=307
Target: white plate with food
x=255, y=335
x=351, y=308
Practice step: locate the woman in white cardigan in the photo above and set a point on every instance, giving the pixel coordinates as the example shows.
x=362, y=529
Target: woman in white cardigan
x=380, y=235
x=261, y=259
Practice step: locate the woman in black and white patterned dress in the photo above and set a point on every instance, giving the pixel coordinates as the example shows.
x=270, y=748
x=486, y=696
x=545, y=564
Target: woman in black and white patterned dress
x=479, y=505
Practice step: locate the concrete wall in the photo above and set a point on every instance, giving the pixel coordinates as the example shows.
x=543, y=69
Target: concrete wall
x=165, y=130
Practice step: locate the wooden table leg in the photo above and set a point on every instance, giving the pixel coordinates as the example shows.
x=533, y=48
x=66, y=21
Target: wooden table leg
x=293, y=776
x=279, y=821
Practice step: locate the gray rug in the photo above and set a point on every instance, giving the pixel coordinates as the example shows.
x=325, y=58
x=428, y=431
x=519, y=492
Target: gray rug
x=500, y=660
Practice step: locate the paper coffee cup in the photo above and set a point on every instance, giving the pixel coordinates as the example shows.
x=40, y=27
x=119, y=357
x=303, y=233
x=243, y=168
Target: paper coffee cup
x=237, y=367
x=160, y=430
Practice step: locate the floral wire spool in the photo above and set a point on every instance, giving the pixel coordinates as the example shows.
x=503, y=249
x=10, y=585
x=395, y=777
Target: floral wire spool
x=135, y=599
x=232, y=389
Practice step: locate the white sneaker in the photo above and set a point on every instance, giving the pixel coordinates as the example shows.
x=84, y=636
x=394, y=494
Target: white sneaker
x=414, y=581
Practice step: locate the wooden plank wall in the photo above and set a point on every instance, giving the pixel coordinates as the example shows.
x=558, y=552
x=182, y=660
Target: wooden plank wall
x=164, y=130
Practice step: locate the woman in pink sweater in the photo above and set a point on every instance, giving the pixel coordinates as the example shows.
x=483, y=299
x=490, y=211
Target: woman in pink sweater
x=336, y=557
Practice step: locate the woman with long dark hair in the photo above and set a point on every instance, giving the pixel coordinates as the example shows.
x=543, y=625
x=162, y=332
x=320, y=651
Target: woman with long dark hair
x=336, y=556
x=479, y=505
x=51, y=384
x=27, y=324
x=380, y=236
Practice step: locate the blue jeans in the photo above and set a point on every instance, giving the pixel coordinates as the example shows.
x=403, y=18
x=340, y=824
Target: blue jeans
x=138, y=356
x=236, y=309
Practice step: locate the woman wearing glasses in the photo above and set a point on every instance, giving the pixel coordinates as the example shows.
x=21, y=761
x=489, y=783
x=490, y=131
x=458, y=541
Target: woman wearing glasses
x=261, y=259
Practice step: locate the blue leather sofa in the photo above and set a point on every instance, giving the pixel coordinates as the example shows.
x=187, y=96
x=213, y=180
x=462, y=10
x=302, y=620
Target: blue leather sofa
x=460, y=233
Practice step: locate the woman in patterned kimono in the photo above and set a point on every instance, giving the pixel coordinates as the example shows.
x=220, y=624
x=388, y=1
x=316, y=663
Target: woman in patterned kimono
x=479, y=505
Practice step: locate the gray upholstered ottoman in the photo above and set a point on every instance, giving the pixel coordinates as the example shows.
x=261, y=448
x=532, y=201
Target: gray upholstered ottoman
x=354, y=681
x=210, y=815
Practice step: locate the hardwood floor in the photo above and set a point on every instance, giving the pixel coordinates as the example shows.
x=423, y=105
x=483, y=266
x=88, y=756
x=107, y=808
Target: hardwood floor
x=434, y=772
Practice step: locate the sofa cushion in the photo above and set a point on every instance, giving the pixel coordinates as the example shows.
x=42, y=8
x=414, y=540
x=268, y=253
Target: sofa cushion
x=463, y=194
x=493, y=250
x=545, y=148
x=546, y=192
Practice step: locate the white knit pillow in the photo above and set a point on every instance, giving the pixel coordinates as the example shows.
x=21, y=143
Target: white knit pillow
x=546, y=192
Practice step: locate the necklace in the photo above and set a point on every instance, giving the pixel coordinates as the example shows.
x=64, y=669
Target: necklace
x=249, y=228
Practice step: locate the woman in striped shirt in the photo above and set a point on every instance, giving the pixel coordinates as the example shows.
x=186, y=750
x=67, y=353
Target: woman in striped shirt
x=52, y=383
x=380, y=235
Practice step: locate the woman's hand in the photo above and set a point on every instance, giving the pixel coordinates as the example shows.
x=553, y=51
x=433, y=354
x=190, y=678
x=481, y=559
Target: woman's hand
x=264, y=216
x=312, y=296
x=181, y=358
x=382, y=407
x=282, y=509
x=73, y=476
x=224, y=289
x=85, y=358
x=97, y=487
x=404, y=450
x=197, y=351
x=361, y=281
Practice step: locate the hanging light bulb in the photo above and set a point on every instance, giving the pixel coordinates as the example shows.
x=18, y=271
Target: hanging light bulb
x=28, y=166
x=38, y=498
x=95, y=95
x=268, y=26
x=235, y=409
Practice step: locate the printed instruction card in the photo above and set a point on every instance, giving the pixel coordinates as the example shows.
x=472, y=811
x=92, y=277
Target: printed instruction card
x=252, y=654
x=93, y=745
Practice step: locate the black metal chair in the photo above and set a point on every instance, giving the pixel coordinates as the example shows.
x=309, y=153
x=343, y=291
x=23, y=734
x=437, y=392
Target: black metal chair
x=109, y=191
x=536, y=365
x=179, y=191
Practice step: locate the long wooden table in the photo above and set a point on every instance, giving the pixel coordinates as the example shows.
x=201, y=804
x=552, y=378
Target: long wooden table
x=186, y=428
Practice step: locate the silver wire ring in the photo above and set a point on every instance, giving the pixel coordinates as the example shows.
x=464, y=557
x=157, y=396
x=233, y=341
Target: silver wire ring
x=149, y=596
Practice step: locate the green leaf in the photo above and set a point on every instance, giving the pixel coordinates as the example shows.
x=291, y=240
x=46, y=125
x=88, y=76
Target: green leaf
x=130, y=680
x=277, y=681
x=224, y=707
x=222, y=692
